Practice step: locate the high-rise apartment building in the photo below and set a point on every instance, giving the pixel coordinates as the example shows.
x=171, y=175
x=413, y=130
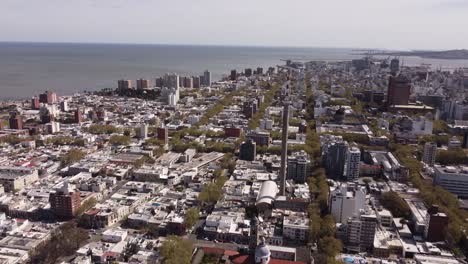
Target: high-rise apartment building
x=143, y=84
x=78, y=115
x=399, y=89
x=335, y=159
x=196, y=82
x=259, y=70
x=64, y=106
x=35, y=103
x=124, y=84
x=15, y=121
x=430, y=152
x=353, y=159
x=159, y=82
x=163, y=135
x=171, y=81
x=298, y=167
x=394, y=66
x=48, y=97
x=144, y=131
x=346, y=200
x=249, y=108
x=248, y=150
x=233, y=75
x=207, y=78
x=361, y=232
x=188, y=82
x=436, y=225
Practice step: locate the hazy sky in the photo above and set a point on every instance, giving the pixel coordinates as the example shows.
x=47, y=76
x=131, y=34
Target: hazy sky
x=394, y=24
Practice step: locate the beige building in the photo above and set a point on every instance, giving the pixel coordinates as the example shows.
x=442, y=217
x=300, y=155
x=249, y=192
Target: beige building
x=16, y=178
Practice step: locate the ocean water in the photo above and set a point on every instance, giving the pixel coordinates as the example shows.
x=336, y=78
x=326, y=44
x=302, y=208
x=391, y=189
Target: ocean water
x=27, y=69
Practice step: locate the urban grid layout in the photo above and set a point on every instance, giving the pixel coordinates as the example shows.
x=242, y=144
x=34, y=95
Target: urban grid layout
x=359, y=161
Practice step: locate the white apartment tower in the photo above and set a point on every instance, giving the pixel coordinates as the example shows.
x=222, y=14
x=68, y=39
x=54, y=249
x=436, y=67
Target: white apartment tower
x=144, y=131
x=345, y=201
x=353, y=158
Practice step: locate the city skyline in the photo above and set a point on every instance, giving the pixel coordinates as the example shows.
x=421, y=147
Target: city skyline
x=404, y=25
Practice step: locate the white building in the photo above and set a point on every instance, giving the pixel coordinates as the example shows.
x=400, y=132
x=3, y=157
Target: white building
x=16, y=178
x=353, y=158
x=114, y=235
x=385, y=217
x=454, y=143
x=361, y=232
x=346, y=201
x=171, y=95
x=422, y=126
x=453, y=179
x=53, y=127
x=64, y=106
x=266, y=124
x=144, y=131
x=193, y=119
x=296, y=226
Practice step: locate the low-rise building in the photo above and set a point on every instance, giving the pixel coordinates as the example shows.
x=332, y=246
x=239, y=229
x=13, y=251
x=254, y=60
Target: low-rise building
x=452, y=178
x=296, y=226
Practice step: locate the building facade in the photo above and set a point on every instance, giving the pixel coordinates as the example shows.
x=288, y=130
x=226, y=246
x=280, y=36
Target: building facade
x=452, y=178
x=399, y=89
x=353, y=160
x=248, y=150
x=65, y=202
x=430, y=152
x=298, y=168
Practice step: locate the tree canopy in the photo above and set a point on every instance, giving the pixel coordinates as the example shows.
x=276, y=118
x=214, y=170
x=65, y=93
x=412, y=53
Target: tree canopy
x=191, y=217
x=74, y=155
x=176, y=250
x=395, y=204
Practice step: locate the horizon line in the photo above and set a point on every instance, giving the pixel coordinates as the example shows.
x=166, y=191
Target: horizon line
x=192, y=45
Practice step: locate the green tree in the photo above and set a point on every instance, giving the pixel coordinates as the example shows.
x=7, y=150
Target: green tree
x=452, y=157
x=73, y=156
x=102, y=129
x=327, y=227
x=191, y=217
x=176, y=250
x=85, y=206
x=330, y=246
x=118, y=140
x=314, y=223
x=10, y=139
x=397, y=206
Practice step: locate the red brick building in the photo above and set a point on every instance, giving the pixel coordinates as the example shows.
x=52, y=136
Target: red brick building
x=399, y=89
x=48, y=97
x=15, y=121
x=232, y=132
x=436, y=226
x=35, y=104
x=163, y=134
x=65, y=202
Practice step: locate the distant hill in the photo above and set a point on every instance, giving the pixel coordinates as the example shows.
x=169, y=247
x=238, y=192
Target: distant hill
x=461, y=54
